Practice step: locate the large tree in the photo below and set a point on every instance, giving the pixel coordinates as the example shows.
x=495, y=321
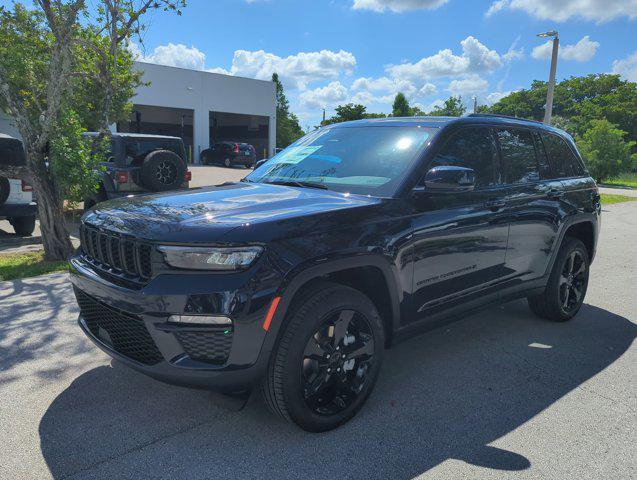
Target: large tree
x=288, y=129
x=452, y=107
x=53, y=73
x=578, y=102
x=349, y=112
x=401, y=107
x=604, y=150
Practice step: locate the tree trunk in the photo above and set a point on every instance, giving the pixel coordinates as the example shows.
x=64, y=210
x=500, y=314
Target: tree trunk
x=55, y=235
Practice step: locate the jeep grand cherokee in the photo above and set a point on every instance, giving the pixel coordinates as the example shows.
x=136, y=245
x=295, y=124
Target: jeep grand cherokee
x=298, y=277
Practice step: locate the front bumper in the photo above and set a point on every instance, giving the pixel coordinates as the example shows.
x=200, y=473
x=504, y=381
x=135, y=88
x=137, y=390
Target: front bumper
x=134, y=327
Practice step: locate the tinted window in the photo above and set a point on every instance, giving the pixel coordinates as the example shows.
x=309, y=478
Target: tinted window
x=11, y=152
x=368, y=160
x=471, y=148
x=141, y=148
x=518, y=155
x=561, y=157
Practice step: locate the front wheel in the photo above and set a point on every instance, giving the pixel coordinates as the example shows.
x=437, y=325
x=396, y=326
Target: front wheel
x=227, y=163
x=567, y=285
x=328, y=358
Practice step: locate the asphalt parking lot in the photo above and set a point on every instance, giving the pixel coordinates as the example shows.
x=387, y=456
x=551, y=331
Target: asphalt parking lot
x=500, y=394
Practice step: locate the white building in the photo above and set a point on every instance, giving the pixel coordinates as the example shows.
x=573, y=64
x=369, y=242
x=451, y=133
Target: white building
x=201, y=107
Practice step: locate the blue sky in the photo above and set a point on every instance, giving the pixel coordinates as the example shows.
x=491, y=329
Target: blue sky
x=338, y=51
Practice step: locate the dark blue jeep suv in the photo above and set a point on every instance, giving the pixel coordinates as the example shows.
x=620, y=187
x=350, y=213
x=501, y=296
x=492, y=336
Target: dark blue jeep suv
x=298, y=277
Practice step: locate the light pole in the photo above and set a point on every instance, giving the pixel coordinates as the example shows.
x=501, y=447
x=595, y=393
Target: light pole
x=548, y=109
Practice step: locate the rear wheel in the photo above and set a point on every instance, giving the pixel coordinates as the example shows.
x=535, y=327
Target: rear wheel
x=328, y=358
x=23, y=226
x=567, y=285
x=227, y=162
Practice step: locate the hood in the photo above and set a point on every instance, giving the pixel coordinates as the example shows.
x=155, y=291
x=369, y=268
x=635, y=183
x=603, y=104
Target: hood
x=206, y=215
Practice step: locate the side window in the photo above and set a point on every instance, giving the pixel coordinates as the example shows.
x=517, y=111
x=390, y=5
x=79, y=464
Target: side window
x=518, y=155
x=471, y=148
x=561, y=157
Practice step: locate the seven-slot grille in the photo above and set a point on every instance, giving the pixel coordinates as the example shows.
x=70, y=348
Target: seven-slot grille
x=124, y=333
x=116, y=253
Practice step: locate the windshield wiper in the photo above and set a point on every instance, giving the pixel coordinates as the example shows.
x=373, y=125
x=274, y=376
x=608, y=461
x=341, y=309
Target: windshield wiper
x=298, y=183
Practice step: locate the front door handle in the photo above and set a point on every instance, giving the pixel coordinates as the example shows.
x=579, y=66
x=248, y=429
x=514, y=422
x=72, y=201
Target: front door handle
x=495, y=204
x=555, y=194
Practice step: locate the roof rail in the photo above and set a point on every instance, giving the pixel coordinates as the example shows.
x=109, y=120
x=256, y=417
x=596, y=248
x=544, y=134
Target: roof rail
x=497, y=115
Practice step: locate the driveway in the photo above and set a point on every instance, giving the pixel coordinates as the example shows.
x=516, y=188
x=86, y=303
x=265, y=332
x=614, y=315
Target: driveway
x=500, y=394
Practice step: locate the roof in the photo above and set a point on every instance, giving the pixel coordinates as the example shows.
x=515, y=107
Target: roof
x=4, y=136
x=439, y=122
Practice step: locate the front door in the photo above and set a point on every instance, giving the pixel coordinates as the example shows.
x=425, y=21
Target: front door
x=460, y=238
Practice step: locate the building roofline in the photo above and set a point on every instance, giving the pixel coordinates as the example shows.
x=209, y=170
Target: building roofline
x=201, y=71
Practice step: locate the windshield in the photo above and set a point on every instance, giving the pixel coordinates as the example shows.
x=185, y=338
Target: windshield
x=364, y=160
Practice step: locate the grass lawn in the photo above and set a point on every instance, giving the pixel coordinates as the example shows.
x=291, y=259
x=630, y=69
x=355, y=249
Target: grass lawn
x=610, y=198
x=21, y=265
x=624, y=180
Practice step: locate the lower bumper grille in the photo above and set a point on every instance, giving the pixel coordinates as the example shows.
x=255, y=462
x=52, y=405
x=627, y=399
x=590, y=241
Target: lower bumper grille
x=124, y=333
x=212, y=347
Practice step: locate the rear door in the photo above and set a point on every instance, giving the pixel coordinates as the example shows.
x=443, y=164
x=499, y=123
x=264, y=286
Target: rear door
x=460, y=238
x=533, y=202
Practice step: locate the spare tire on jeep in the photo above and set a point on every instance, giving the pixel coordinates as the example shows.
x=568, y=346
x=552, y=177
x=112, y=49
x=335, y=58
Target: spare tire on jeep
x=5, y=189
x=162, y=170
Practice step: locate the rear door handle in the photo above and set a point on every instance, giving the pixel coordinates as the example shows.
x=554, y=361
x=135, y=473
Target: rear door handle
x=495, y=204
x=555, y=194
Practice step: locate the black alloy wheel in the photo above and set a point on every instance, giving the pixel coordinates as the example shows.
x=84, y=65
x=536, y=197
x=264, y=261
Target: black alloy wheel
x=166, y=173
x=571, y=285
x=567, y=284
x=336, y=362
x=327, y=359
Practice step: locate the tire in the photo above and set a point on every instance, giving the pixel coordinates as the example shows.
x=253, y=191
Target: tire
x=5, y=189
x=162, y=170
x=227, y=162
x=286, y=387
x=23, y=226
x=567, y=285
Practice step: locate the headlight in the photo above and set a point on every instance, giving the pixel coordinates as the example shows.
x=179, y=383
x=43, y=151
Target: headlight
x=205, y=258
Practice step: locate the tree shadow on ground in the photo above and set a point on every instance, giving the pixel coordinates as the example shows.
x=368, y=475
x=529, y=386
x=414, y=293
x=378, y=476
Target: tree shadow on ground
x=445, y=395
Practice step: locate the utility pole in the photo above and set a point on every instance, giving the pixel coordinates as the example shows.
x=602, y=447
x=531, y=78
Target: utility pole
x=323, y=115
x=475, y=104
x=548, y=109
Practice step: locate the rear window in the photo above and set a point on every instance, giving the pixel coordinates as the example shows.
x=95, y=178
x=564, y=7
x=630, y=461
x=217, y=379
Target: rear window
x=11, y=152
x=140, y=148
x=518, y=155
x=563, y=161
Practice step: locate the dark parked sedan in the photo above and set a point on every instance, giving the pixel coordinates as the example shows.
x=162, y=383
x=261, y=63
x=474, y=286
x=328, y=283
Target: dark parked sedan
x=229, y=154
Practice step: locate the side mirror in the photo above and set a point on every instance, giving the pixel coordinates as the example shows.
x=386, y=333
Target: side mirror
x=260, y=162
x=448, y=179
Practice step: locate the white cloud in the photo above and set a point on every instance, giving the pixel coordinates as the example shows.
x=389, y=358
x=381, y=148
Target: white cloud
x=296, y=71
x=562, y=10
x=327, y=96
x=475, y=58
x=627, y=67
x=495, y=97
x=582, y=51
x=428, y=89
x=174, y=55
x=496, y=7
x=471, y=85
x=397, y=5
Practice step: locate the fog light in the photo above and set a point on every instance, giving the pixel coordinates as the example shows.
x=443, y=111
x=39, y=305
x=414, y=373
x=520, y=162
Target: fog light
x=200, y=320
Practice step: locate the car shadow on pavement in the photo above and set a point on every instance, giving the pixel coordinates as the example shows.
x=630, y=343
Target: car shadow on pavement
x=444, y=395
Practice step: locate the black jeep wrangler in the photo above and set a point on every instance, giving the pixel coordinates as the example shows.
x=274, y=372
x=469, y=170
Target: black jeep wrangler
x=358, y=235
x=139, y=163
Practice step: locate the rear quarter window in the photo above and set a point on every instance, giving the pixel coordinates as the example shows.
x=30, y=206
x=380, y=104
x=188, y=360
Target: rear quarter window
x=563, y=161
